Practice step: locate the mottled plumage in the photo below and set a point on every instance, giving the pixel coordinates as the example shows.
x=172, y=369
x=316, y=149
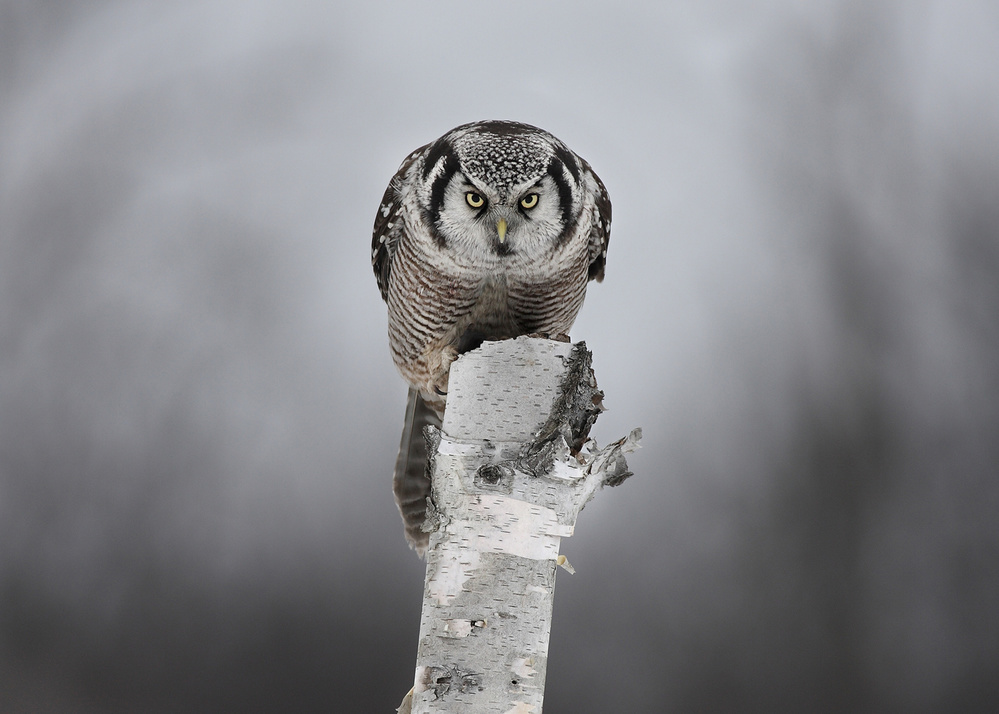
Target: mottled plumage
x=492, y=231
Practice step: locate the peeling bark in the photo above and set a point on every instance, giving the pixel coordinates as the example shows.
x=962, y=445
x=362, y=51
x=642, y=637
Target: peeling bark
x=512, y=467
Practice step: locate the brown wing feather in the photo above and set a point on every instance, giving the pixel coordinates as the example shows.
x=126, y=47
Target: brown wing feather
x=600, y=230
x=388, y=225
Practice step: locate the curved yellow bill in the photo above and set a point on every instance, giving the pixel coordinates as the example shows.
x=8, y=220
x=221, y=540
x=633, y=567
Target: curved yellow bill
x=501, y=229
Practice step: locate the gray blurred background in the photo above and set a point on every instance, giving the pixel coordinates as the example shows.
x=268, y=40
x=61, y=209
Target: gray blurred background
x=199, y=415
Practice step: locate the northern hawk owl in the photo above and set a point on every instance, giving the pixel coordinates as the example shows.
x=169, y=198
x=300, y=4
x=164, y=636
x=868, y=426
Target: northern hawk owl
x=492, y=231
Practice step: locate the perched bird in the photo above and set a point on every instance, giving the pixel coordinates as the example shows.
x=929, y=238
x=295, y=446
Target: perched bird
x=492, y=231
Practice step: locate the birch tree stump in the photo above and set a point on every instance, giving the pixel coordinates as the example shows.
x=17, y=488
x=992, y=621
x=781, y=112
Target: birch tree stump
x=511, y=468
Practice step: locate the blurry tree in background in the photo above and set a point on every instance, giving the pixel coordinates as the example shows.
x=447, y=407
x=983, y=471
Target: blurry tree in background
x=198, y=414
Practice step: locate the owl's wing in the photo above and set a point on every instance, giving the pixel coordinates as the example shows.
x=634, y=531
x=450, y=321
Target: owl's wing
x=599, y=228
x=389, y=225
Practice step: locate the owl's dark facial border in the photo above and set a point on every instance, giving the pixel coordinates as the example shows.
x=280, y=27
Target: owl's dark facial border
x=556, y=170
x=568, y=160
x=440, y=150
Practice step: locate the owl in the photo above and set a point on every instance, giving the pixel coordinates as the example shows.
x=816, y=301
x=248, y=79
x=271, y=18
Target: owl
x=492, y=231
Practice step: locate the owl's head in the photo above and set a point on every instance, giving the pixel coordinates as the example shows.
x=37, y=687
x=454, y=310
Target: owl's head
x=504, y=187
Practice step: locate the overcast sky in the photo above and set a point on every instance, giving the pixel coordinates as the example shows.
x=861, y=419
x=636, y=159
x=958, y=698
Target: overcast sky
x=199, y=414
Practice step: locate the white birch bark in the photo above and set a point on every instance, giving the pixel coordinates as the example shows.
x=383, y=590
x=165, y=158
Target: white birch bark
x=511, y=468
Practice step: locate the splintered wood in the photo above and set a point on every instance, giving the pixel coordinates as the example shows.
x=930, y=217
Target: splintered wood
x=512, y=467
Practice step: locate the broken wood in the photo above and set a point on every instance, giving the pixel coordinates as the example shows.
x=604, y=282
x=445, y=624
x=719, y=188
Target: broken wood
x=512, y=467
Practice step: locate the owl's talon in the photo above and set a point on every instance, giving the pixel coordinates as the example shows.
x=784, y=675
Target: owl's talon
x=438, y=391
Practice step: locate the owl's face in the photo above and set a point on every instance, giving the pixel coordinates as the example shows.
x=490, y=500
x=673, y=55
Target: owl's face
x=500, y=188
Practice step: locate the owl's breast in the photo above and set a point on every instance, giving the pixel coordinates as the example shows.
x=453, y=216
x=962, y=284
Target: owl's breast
x=442, y=302
x=491, y=314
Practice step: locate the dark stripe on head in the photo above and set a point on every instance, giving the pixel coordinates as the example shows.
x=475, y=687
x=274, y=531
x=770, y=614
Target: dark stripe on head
x=556, y=171
x=439, y=185
x=437, y=150
x=568, y=159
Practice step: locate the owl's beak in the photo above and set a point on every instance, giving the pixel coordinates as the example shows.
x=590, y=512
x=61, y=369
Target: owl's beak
x=501, y=229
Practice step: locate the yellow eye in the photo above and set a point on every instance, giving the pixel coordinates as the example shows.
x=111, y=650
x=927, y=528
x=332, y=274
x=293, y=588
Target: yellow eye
x=529, y=201
x=474, y=199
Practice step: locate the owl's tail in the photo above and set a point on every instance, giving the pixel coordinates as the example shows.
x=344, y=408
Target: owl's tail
x=411, y=481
